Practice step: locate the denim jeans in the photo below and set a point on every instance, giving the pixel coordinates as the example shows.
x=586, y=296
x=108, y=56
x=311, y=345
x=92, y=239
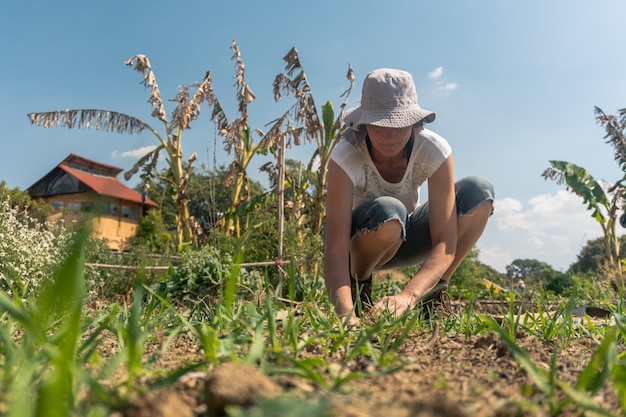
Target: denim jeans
x=470, y=193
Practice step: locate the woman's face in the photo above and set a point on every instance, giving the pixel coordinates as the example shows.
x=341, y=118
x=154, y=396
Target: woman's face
x=389, y=141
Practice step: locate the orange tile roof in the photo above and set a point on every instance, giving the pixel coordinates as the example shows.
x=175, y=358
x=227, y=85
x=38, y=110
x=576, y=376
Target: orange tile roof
x=90, y=164
x=109, y=186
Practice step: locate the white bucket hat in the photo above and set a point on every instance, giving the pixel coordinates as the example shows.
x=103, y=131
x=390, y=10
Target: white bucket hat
x=388, y=99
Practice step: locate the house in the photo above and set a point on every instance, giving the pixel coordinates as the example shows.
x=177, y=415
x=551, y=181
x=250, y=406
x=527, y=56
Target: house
x=79, y=184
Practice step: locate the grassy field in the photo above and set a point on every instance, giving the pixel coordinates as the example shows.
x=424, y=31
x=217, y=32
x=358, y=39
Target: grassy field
x=231, y=345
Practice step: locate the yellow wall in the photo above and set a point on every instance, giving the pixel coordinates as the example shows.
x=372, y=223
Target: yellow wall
x=114, y=220
x=116, y=231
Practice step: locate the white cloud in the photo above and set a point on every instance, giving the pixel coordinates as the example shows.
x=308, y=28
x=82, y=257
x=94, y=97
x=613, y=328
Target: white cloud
x=449, y=86
x=134, y=153
x=436, y=73
x=440, y=83
x=551, y=228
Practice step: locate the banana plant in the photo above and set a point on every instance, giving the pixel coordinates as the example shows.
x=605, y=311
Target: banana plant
x=238, y=140
x=187, y=109
x=299, y=122
x=326, y=133
x=604, y=202
x=327, y=139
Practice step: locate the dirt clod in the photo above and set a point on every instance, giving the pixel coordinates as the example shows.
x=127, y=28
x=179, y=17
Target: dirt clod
x=163, y=403
x=237, y=384
x=437, y=407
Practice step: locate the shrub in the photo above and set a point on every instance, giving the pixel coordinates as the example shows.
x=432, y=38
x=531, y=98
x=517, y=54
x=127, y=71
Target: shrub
x=591, y=287
x=558, y=282
x=201, y=276
x=152, y=236
x=105, y=283
x=28, y=249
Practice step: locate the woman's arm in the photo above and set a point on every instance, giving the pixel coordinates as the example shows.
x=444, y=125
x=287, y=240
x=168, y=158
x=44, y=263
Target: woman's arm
x=443, y=232
x=337, y=238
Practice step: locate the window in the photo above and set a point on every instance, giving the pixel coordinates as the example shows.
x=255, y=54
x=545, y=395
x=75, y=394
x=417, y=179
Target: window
x=86, y=206
x=134, y=213
x=73, y=206
x=125, y=211
x=113, y=209
x=58, y=205
x=62, y=184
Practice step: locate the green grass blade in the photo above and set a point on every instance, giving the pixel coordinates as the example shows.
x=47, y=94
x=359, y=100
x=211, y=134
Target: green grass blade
x=17, y=312
x=230, y=286
x=584, y=401
x=134, y=343
x=257, y=347
x=599, y=367
x=63, y=298
x=306, y=368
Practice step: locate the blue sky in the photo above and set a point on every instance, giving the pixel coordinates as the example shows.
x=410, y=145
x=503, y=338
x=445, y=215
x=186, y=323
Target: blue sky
x=514, y=85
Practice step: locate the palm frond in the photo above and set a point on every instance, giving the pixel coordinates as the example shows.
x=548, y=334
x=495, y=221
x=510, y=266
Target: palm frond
x=106, y=120
x=218, y=116
x=271, y=138
x=180, y=116
x=234, y=170
x=153, y=154
x=346, y=94
x=270, y=169
x=235, y=135
x=142, y=64
x=294, y=82
x=615, y=129
x=181, y=189
x=189, y=109
x=293, y=60
x=244, y=94
x=579, y=181
x=316, y=154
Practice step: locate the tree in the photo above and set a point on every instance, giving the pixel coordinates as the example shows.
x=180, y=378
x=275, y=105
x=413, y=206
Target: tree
x=603, y=201
x=298, y=180
x=152, y=237
x=558, y=283
x=21, y=200
x=527, y=270
x=300, y=121
x=238, y=140
x=187, y=109
x=209, y=198
x=592, y=257
x=537, y=273
x=326, y=134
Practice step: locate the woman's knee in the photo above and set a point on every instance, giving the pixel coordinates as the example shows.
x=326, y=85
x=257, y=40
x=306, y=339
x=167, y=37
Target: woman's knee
x=391, y=206
x=372, y=216
x=387, y=233
x=472, y=192
x=484, y=209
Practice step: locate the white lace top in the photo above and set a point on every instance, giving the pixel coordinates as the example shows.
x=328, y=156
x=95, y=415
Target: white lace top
x=429, y=151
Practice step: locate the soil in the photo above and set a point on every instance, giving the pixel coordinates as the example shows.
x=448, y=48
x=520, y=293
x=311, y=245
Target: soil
x=450, y=375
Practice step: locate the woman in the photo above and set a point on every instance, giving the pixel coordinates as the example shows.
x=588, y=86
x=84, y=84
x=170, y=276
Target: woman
x=373, y=219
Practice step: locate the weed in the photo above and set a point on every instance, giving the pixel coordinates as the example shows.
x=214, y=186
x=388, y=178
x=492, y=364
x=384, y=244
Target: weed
x=546, y=326
x=595, y=374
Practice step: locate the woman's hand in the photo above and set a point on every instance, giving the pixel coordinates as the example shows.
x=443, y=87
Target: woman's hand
x=350, y=321
x=397, y=304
